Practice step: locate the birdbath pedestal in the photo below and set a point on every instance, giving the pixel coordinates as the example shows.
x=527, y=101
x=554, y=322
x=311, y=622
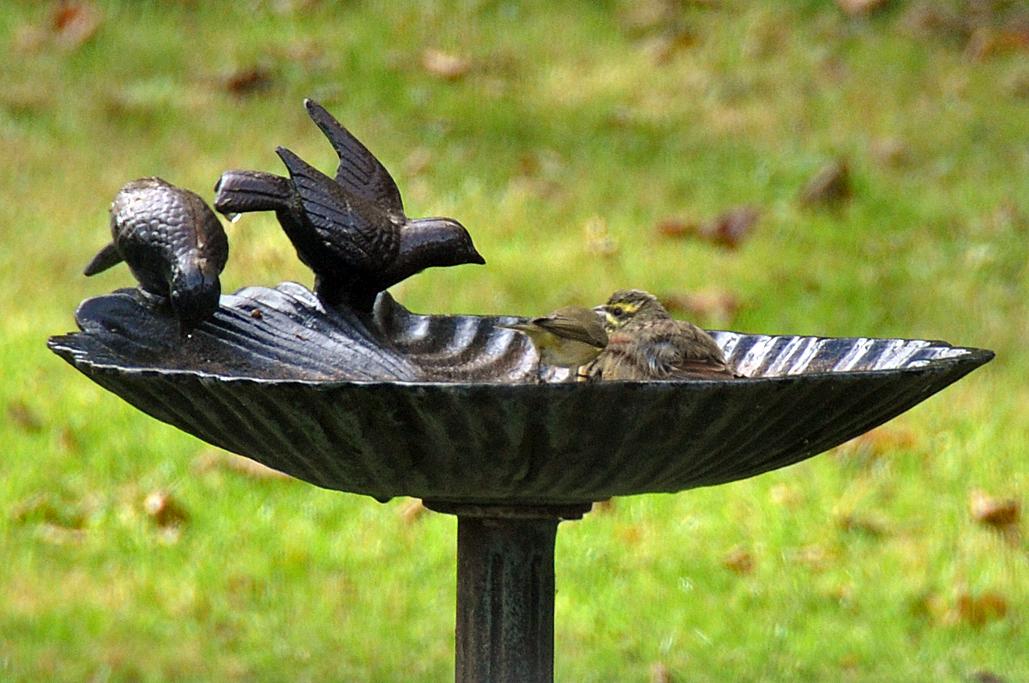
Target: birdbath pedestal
x=505, y=590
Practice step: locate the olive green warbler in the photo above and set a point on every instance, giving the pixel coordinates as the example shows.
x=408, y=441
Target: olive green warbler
x=570, y=337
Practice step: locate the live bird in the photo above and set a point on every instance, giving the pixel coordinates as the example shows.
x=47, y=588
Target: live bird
x=173, y=244
x=645, y=343
x=570, y=337
x=352, y=230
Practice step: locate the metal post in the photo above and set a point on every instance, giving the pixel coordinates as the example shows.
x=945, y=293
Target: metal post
x=505, y=591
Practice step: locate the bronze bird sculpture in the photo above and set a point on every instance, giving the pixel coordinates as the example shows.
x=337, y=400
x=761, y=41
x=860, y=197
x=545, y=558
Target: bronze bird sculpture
x=173, y=244
x=350, y=230
x=646, y=343
x=570, y=337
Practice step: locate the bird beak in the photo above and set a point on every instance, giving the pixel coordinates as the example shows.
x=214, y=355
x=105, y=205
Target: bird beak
x=601, y=309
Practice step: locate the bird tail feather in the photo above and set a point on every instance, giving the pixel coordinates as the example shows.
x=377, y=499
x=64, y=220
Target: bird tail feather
x=248, y=191
x=105, y=258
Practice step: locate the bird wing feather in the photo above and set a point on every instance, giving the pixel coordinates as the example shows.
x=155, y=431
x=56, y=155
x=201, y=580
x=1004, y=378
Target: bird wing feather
x=331, y=211
x=570, y=328
x=662, y=350
x=359, y=172
x=684, y=350
x=703, y=346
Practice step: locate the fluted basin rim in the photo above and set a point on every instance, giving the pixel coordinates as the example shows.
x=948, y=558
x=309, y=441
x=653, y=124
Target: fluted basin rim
x=976, y=355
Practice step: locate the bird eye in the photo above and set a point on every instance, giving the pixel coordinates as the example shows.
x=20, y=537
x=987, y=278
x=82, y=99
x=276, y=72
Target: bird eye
x=618, y=311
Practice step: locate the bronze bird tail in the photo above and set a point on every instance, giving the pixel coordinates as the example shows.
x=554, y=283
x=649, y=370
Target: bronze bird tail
x=107, y=257
x=248, y=191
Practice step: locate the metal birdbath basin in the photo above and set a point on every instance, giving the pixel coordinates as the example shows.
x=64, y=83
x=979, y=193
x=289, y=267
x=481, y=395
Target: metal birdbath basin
x=351, y=391
x=446, y=409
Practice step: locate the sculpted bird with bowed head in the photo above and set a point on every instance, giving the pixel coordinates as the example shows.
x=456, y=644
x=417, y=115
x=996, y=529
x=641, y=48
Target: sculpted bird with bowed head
x=350, y=230
x=173, y=244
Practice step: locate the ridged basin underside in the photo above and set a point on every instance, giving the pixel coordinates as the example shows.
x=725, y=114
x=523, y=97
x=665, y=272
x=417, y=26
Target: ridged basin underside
x=446, y=407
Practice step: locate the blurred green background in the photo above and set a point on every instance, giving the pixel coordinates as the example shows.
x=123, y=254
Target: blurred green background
x=587, y=147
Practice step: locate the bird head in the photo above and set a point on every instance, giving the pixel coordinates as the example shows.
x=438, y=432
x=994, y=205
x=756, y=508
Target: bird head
x=194, y=298
x=445, y=239
x=627, y=305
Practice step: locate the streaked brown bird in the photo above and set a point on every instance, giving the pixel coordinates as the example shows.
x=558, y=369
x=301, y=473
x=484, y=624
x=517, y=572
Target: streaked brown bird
x=646, y=343
x=570, y=337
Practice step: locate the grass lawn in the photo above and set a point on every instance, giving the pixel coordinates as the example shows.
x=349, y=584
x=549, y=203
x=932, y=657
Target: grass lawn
x=562, y=135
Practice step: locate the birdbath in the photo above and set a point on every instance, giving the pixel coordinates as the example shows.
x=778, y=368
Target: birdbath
x=358, y=394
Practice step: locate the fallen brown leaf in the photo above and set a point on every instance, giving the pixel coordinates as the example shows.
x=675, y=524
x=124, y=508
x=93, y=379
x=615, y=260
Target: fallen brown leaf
x=1017, y=84
x=864, y=525
x=739, y=561
x=930, y=19
x=248, y=80
x=989, y=42
x=929, y=606
x=814, y=557
x=660, y=673
x=444, y=65
x=630, y=534
x=664, y=47
x=890, y=152
x=418, y=161
x=412, y=510
x=676, y=227
x=977, y=610
x=164, y=510
x=849, y=661
x=44, y=508
x=541, y=163
x=528, y=164
x=212, y=460
x=732, y=227
x=830, y=186
x=841, y=593
x=727, y=230
x=643, y=16
x=1007, y=218
x=983, y=28
x=24, y=417
x=858, y=8
x=785, y=495
x=881, y=441
x=69, y=440
x=74, y=23
x=1001, y=514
